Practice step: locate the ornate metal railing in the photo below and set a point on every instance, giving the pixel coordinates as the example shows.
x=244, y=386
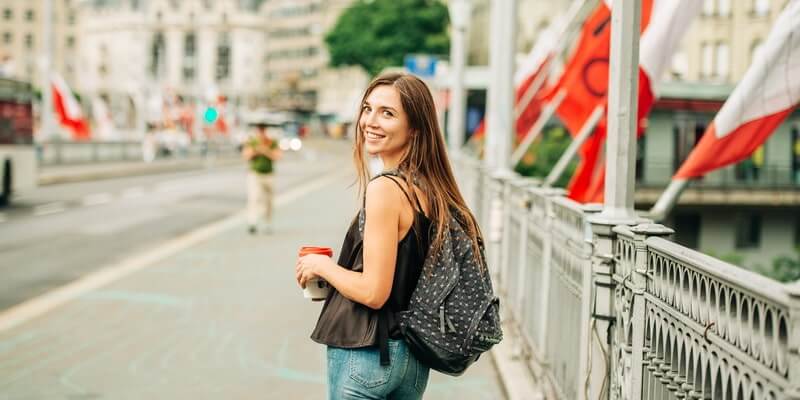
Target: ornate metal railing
x=676, y=324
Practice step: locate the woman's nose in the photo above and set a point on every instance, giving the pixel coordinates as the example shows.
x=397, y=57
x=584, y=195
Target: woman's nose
x=371, y=119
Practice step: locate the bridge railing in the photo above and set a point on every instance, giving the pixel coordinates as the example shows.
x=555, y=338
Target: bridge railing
x=682, y=324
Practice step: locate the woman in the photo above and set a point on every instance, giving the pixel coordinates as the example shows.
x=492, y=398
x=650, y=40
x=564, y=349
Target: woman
x=384, y=250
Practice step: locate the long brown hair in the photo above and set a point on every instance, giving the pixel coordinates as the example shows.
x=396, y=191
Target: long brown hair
x=425, y=160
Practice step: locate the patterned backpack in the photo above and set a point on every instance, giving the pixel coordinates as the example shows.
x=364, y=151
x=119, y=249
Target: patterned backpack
x=453, y=315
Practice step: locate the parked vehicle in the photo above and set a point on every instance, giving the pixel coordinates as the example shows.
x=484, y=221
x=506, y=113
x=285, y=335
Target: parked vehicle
x=17, y=150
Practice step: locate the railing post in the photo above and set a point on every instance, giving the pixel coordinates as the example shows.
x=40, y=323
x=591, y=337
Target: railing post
x=547, y=257
x=636, y=281
x=794, y=342
x=600, y=306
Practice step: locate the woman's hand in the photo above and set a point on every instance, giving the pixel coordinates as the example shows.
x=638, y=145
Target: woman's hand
x=309, y=267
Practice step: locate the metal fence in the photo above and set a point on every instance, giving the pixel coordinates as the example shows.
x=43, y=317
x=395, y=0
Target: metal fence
x=60, y=153
x=682, y=324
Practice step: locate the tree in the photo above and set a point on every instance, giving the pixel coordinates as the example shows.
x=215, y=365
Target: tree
x=376, y=34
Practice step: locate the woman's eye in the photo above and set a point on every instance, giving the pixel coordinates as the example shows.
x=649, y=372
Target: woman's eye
x=387, y=113
x=365, y=108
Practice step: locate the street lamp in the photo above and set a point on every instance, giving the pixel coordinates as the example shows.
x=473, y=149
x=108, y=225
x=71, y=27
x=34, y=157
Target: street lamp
x=460, y=11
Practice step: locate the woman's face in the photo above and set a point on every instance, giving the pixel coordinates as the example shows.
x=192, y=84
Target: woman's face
x=384, y=125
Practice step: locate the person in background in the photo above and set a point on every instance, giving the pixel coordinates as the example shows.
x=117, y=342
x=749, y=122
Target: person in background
x=261, y=151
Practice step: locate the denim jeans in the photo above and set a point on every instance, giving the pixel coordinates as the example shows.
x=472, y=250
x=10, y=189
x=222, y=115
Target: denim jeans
x=357, y=374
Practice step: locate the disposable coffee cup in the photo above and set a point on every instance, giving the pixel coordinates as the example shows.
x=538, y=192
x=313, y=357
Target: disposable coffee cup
x=316, y=289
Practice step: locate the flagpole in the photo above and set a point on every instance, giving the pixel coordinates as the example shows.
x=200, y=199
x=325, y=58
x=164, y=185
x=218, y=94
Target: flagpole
x=569, y=154
x=547, y=112
x=570, y=16
x=668, y=199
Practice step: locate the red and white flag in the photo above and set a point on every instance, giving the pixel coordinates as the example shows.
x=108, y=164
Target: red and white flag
x=666, y=24
x=767, y=94
x=585, y=84
x=68, y=110
x=533, y=68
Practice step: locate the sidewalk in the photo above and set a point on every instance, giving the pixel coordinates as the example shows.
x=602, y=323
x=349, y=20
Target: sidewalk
x=216, y=314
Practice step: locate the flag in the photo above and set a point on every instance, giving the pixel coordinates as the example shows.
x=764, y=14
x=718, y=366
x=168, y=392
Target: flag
x=661, y=35
x=68, y=109
x=533, y=68
x=766, y=95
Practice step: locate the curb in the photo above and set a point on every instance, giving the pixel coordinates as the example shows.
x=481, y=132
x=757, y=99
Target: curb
x=97, y=172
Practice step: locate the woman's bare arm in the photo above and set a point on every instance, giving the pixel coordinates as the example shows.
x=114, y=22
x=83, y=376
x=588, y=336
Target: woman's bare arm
x=372, y=286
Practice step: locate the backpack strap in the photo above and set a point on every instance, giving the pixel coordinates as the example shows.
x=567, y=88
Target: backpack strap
x=394, y=176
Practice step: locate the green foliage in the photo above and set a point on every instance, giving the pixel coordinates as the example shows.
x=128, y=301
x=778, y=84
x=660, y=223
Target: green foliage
x=376, y=34
x=784, y=268
x=543, y=155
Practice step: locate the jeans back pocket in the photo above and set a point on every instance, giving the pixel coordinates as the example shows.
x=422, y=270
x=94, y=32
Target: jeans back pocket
x=365, y=365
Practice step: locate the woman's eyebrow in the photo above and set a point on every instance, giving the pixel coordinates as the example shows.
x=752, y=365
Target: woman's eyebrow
x=366, y=103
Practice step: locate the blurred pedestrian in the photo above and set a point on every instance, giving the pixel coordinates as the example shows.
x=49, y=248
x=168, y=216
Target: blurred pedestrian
x=384, y=250
x=261, y=151
x=149, y=144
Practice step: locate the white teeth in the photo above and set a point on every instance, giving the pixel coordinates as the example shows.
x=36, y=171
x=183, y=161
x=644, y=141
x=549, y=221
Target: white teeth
x=371, y=135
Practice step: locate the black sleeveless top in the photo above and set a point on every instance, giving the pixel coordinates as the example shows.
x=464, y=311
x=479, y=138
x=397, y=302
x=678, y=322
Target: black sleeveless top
x=348, y=324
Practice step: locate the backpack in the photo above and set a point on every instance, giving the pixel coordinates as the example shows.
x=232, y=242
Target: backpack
x=453, y=315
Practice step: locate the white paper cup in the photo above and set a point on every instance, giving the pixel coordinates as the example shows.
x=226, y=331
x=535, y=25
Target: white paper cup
x=316, y=289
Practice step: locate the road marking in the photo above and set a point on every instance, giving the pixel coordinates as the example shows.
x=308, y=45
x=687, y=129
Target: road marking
x=44, y=303
x=97, y=198
x=47, y=209
x=132, y=193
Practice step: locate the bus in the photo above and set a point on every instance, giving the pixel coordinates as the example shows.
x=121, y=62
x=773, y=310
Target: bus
x=17, y=150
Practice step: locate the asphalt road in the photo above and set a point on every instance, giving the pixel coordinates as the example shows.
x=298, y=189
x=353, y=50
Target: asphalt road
x=57, y=233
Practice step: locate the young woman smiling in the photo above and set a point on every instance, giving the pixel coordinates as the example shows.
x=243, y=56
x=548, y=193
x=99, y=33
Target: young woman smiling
x=384, y=250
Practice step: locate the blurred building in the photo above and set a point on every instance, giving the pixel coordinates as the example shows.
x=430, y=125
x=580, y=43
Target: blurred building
x=748, y=212
x=21, y=45
x=296, y=59
x=724, y=39
x=138, y=53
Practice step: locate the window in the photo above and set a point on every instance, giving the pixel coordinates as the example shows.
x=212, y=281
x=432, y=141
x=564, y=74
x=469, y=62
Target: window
x=29, y=16
x=71, y=19
x=223, y=57
x=70, y=41
x=724, y=8
x=135, y=5
x=687, y=229
x=748, y=169
x=189, y=48
x=686, y=134
x=722, y=61
x=748, y=231
x=708, y=7
x=761, y=8
x=29, y=40
x=7, y=37
x=707, y=55
x=157, y=50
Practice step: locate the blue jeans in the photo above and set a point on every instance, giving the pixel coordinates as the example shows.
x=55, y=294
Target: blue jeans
x=357, y=374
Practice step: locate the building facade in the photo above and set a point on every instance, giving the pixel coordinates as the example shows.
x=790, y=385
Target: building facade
x=724, y=39
x=296, y=59
x=195, y=50
x=21, y=44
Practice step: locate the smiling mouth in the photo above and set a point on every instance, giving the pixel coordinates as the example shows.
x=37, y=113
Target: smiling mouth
x=373, y=136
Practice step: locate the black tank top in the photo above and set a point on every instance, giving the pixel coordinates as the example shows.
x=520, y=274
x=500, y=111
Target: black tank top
x=348, y=324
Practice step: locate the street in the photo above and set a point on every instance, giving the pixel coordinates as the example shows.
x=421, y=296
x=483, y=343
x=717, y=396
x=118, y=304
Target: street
x=158, y=308
x=54, y=234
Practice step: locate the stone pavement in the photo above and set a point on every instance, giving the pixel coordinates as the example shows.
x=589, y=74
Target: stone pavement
x=219, y=318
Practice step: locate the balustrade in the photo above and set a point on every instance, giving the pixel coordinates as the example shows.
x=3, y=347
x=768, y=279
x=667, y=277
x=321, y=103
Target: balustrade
x=683, y=326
